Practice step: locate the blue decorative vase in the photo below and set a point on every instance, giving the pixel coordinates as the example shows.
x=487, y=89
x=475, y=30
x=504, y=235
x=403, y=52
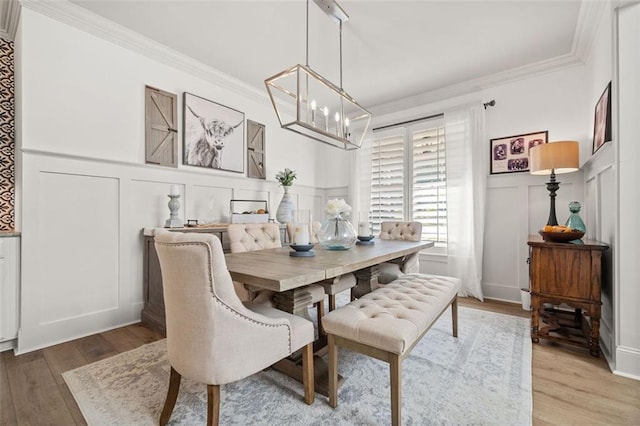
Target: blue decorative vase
x=337, y=233
x=575, y=221
x=284, y=214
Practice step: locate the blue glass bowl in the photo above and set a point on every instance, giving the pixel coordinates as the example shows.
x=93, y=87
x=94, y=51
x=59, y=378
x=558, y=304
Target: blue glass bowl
x=301, y=247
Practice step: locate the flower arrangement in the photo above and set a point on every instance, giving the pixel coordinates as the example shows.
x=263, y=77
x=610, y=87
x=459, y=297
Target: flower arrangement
x=337, y=207
x=286, y=177
x=336, y=233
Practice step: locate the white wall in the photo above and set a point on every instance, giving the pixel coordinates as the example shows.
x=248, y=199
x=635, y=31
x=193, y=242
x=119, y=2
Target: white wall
x=628, y=294
x=86, y=192
x=518, y=203
x=600, y=176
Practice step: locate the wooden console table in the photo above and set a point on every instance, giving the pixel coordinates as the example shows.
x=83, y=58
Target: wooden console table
x=570, y=274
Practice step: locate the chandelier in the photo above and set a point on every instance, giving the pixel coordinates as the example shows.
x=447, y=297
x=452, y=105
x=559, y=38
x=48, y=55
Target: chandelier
x=309, y=104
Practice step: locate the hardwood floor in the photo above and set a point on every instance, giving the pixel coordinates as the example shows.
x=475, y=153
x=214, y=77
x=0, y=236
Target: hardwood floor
x=569, y=385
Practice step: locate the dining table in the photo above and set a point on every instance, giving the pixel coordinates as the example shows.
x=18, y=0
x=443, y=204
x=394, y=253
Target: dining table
x=275, y=270
x=288, y=276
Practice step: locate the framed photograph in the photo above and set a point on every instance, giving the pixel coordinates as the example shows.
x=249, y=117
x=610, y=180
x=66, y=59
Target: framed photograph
x=255, y=150
x=213, y=135
x=511, y=154
x=602, y=120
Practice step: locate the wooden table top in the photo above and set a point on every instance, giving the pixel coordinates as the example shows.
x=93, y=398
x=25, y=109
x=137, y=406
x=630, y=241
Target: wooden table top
x=582, y=244
x=274, y=269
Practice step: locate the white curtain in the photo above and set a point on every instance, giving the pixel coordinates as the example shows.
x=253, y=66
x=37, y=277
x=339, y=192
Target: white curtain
x=466, y=170
x=360, y=177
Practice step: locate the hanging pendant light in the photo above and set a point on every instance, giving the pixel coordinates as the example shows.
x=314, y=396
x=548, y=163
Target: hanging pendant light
x=309, y=104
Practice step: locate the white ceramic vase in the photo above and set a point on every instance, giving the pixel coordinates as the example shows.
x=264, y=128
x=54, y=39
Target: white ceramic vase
x=284, y=214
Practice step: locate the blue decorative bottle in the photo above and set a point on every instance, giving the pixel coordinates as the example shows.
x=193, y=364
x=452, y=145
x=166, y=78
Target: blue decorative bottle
x=574, y=221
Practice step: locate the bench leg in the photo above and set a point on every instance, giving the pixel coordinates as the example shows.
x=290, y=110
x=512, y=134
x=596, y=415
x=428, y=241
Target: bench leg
x=395, y=368
x=454, y=316
x=333, y=371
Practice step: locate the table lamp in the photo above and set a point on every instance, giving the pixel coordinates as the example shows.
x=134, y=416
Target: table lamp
x=550, y=159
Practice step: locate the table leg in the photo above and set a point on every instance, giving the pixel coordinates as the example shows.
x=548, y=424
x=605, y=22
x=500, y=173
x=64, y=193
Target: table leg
x=367, y=281
x=297, y=302
x=535, y=317
x=594, y=335
x=294, y=301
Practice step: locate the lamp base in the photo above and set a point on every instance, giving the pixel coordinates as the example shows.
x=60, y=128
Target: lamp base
x=552, y=187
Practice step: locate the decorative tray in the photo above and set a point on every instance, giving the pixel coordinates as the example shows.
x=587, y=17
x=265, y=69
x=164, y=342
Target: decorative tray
x=561, y=237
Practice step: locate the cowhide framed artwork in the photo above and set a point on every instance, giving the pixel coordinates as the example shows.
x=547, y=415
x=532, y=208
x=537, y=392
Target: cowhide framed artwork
x=213, y=135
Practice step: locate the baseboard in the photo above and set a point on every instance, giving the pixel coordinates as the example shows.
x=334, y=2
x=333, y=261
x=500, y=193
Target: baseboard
x=8, y=345
x=501, y=292
x=627, y=362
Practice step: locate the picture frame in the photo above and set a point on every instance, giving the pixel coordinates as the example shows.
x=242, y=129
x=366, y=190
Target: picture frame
x=213, y=135
x=602, y=120
x=256, y=167
x=510, y=154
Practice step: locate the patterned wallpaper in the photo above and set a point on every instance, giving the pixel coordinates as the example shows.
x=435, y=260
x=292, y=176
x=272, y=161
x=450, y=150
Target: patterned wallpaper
x=7, y=142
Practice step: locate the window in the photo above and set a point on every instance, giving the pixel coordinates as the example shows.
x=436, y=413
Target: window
x=408, y=180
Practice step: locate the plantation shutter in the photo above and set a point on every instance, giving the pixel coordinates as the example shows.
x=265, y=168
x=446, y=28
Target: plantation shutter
x=387, y=180
x=408, y=177
x=429, y=183
x=161, y=128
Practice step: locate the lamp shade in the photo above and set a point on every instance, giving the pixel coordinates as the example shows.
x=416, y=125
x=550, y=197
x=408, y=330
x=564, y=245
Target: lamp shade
x=554, y=157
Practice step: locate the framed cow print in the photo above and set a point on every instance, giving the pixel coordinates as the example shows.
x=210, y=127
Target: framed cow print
x=213, y=135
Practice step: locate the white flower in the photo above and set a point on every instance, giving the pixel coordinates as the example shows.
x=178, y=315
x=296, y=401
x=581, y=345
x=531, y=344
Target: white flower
x=337, y=206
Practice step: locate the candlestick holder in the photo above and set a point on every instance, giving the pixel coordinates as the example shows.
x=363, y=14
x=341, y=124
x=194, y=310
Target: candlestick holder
x=174, y=220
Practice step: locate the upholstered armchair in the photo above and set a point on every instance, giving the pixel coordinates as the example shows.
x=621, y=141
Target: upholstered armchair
x=406, y=231
x=331, y=286
x=259, y=236
x=212, y=337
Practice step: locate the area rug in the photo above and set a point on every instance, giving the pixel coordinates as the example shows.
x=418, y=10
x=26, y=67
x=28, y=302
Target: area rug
x=483, y=378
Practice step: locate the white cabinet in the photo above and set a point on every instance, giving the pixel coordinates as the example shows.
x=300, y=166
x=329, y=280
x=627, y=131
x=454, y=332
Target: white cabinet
x=9, y=290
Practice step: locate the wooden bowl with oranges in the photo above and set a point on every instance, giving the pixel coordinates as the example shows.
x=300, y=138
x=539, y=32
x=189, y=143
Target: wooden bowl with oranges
x=560, y=233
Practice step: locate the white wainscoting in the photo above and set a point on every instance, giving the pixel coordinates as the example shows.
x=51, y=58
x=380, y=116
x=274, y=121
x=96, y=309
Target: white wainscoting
x=600, y=218
x=9, y=291
x=518, y=206
x=82, y=246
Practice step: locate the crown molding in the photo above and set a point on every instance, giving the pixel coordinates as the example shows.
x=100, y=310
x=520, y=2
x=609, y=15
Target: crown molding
x=509, y=76
x=9, y=17
x=66, y=12
x=76, y=16
x=589, y=18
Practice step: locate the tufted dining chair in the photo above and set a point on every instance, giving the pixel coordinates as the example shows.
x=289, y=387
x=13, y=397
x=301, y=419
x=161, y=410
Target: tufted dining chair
x=259, y=236
x=406, y=231
x=212, y=337
x=250, y=237
x=331, y=286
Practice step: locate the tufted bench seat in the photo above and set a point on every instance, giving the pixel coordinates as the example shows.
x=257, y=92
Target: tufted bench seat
x=387, y=323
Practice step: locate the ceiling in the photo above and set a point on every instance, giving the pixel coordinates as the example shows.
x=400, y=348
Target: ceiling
x=391, y=49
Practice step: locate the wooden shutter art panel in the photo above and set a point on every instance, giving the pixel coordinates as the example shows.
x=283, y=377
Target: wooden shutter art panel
x=161, y=127
x=255, y=150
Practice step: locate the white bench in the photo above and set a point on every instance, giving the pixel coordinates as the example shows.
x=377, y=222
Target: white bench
x=387, y=323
